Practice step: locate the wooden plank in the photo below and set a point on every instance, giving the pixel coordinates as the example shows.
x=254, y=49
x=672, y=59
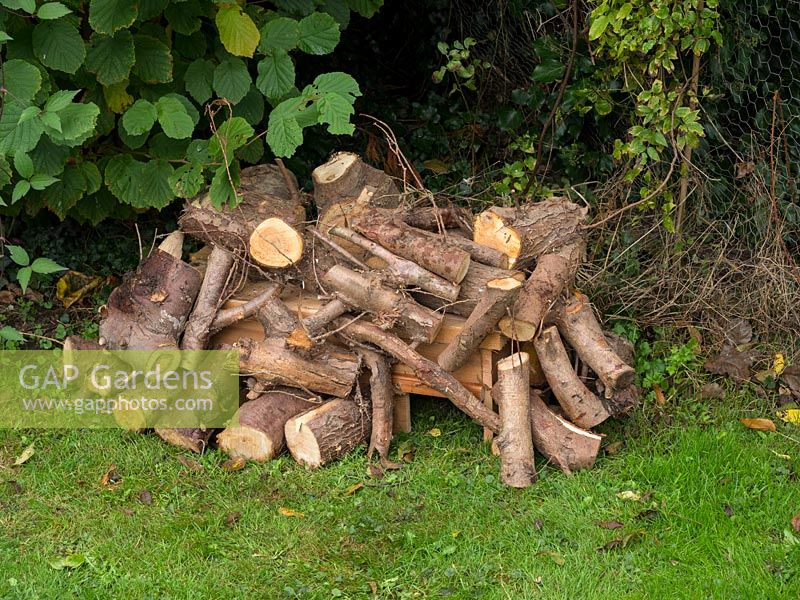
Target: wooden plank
x=486, y=390
x=402, y=413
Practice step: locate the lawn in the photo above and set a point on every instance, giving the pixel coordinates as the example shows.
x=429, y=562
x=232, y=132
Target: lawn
x=712, y=519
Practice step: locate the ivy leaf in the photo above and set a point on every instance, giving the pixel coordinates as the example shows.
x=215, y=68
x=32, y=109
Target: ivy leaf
x=187, y=181
x=108, y=16
x=335, y=110
x=140, y=117
x=282, y=33
x=52, y=10
x=153, y=60
x=548, y=71
x=237, y=31
x=23, y=164
x=338, y=82
x=59, y=100
x=16, y=136
x=111, y=57
x=40, y=181
x=58, y=45
x=22, y=79
x=198, y=79
x=284, y=134
x=232, y=134
x=318, y=33
x=275, y=74
x=173, y=118
x=231, y=79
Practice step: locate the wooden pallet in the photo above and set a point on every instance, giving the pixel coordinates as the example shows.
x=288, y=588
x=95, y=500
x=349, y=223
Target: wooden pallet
x=477, y=375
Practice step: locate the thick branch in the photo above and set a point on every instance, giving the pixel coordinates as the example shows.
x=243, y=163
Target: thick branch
x=215, y=281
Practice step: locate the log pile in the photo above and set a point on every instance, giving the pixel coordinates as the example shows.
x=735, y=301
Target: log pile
x=319, y=384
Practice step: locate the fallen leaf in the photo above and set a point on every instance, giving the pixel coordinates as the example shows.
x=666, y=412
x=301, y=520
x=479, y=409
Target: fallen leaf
x=650, y=513
x=437, y=166
x=146, y=498
x=190, y=463
x=73, y=561
x=739, y=331
x=435, y=432
x=232, y=517
x=111, y=477
x=613, y=448
x=234, y=464
x=73, y=285
x=765, y=375
x=790, y=415
x=660, y=399
x=779, y=363
x=743, y=169
x=456, y=533
x=16, y=488
x=405, y=451
x=623, y=541
x=731, y=362
x=557, y=558
x=796, y=522
x=374, y=471
x=629, y=495
x=25, y=456
x=7, y=296
x=609, y=524
x=695, y=334
x=712, y=390
x=728, y=510
x=127, y=511
x=758, y=424
x=791, y=378
x=373, y=586
x=288, y=512
x=354, y=488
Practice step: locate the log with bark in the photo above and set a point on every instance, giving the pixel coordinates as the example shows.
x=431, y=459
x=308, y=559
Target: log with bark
x=259, y=434
x=381, y=393
x=438, y=218
x=515, y=442
x=266, y=225
x=342, y=179
x=194, y=439
x=326, y=433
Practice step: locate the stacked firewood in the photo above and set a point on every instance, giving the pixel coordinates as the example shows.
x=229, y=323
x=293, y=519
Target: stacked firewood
x=387, y=271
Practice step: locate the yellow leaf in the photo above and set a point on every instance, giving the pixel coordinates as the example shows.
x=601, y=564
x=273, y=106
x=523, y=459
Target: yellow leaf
x=72, y=286
x=758, y=424
x=790, y=415
x=237, y=32
x=25, y=456
x=354, y=488
x=437, y=166
x=779, y=364
x=435, y=432
x=629, y=495
x=762, y=376
x=117, y=97
x=288, y=512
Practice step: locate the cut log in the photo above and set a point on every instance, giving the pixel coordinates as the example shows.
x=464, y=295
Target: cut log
x=430, y=252
x=149, y=310
x=313, y=325
x=381, y=393
x=581, y=406
x=259, y=436
x=344, y=176
x=193, y=439
x=515, y=442
x=427, y=371
x=480, y=253
x=565, y=445
x=266, y=224
x=537, y=375
x=500, y=293
x=553, y=272
x=531, y=230
x=473, y=288
x=438, y=218
x=328, y=371
x=227, y=317
x=276, y=319
x=405, y=271
x=367, y=292
x=326, y=433
x=215, y=281
x=577, y=324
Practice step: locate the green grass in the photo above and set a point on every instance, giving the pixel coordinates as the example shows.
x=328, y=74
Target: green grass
x=441, y=526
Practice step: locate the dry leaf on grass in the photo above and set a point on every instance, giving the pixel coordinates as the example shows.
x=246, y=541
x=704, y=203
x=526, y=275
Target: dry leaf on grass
x=758, y=424
x=146, y=498
x=111, y=477
x=790, y=415
x=234, y=464
x=354, y=488
x=190, y=463
x=25, y=456
x=629, y=495
x=731, y=362
x=739, y=331
x=796, y=522
x=609, y=524
x=288, y=512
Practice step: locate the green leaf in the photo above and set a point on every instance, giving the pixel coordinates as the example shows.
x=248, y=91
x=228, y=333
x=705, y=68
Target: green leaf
x=173, y=118
x=28, y=114
x=117, y=97
x=275, y=74
x=73, y=561
x=78, y=122
x=52, y=10
x=232, y=134
x=284, y=134
x=220, y=191
x=140, y=117
x=61, y=196
x=18, y=255
x=155, y=189
x=184, y=17
x=7, y=332
x=198, y=79
x=29, y=6
x=187, y=181
x=598, y=26
x=251, y=107
x=282, y=33
x=548, y=71
x=58, y=45
x=59, y=100
x=318, y=33
x=251, y=152
x=338, y=82
x=191, y=110
x=92, y=176
x=46, y=266
x=24, y=278
x=4, y=37
x=335, y=110
x=366, y=8
x=231, y=79
x=149, y=9
x=108, y=16
x=5, y=172
x=40, y=181
x=131, y=141
x=14, y=136
x=49, y=158
x=339, y=10
x=23, y=164
x=22, y=80
x=197, y=152
x=22, y=187
x=162, y=146
x=122, y=177
x=237, y=31
x=153, y=60
x=111, y=57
